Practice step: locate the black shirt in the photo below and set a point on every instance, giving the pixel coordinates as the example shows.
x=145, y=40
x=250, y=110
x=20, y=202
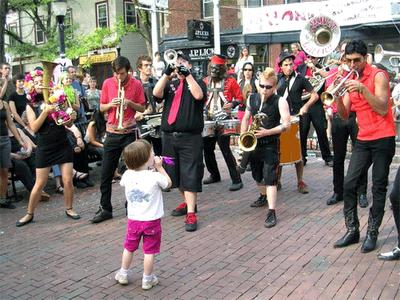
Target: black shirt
x=19, y=101
x=294, y=98
x=270, y=108
x=190, y=115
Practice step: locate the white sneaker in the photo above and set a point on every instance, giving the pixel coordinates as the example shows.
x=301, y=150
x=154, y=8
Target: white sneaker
x=146, y=285
x=122, y=279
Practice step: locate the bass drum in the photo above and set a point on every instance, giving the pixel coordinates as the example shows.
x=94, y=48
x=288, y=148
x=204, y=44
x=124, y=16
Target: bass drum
x=289, y=144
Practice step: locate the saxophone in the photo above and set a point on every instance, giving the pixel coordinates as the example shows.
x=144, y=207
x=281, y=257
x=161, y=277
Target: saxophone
x=248, y=139
x=121, y=107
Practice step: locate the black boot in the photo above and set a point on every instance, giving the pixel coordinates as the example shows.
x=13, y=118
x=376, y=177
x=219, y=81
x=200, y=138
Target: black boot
x=352, y=235
x=369, y=243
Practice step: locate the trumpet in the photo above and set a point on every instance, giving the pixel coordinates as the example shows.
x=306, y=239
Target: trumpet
x=248, y=139
x=121, y=108
x=338, y=89
x=170, y=57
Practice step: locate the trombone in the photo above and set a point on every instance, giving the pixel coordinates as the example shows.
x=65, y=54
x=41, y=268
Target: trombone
x=121, y=108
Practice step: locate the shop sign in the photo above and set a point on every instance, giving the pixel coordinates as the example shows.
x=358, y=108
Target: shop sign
x=199, y=30
x=196, y=54
x=97, y=58
x=293, y=17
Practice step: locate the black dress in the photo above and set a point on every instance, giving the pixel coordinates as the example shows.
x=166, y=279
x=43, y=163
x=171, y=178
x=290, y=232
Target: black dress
x=52, y=143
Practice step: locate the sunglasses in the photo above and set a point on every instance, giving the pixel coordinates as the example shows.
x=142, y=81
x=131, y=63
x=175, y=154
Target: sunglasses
x=248, y=70
x=268, y=87
x=355, y=60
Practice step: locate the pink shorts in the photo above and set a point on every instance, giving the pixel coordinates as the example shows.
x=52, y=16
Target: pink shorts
x=149, y=230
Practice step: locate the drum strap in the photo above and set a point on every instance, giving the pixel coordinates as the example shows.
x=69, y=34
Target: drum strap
x=288, y=88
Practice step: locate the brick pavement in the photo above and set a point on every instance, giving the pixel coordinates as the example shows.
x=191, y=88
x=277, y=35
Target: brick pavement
x=231, y=256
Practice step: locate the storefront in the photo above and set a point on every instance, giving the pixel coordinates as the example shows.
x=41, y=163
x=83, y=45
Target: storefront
x=98, y=64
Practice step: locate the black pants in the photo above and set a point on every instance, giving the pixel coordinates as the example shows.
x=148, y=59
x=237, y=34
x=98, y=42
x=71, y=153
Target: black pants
x=81, y=161
x=341, y=131
x=113, y=147
x=395, y=200
x=157, y=144
x=316, y=116
x=209, y=156
x=24, y=169
x=379, y=153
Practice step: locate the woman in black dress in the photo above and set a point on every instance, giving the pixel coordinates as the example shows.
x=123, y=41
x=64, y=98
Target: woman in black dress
x=52, y=148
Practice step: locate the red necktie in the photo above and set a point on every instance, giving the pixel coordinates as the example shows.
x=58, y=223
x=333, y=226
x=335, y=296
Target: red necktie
x=175, y=104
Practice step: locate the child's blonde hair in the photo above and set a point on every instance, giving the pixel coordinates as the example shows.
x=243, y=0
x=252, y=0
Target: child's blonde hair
x=136, y=154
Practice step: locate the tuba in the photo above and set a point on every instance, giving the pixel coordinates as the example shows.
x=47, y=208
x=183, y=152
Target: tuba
x=338, y=89
x=121, y=108
x=48, y=68
x=319, y=38
x=248, y=139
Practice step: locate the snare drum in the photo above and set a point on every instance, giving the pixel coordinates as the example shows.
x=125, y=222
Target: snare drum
x=290, y=147
x=209, y=129
x=230, y=127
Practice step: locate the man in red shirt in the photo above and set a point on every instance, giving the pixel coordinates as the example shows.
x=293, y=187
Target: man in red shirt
x=223, y=95
x=117, y=139
x=368, y=96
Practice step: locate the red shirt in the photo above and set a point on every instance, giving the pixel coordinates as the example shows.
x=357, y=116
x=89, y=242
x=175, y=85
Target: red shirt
x=133, y=92
x=231, y=89
x=372, y=126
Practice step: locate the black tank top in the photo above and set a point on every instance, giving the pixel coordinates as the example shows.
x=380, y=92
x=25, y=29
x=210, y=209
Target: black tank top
x=270, y=108
x=3, y=119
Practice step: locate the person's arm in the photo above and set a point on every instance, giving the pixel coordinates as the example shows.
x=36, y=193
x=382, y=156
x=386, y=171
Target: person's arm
x=285, y=116
x=15, y=113
x=244, y=126
x=306, y=107
x=76, y=105
x=105, y=104
x=159, y=167
x=158, y=90
x=11, y=125
x=343, y=105
x=4, y=87
x=139, y=105
x=194, y=88
x=379, y=101
x=36, y=122
x=77, y=133
x=91, y=134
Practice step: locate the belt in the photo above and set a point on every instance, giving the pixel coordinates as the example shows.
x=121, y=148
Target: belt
x=180, y=133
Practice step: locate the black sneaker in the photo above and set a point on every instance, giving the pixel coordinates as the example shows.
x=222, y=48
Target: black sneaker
x=270, y=221
x=211, y=179
x=261, y=201
x=101, y=215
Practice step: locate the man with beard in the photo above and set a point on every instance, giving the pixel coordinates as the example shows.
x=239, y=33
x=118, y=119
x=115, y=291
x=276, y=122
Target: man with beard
x=223, y=95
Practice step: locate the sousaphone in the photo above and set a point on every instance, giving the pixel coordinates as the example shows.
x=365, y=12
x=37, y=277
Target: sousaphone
x=319, y=38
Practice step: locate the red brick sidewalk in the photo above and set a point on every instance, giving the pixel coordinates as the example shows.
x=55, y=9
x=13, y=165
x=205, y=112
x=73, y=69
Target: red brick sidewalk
x=231, y=256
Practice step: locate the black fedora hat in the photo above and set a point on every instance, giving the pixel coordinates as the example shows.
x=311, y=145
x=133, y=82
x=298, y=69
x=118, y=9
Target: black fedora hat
x=284, y=55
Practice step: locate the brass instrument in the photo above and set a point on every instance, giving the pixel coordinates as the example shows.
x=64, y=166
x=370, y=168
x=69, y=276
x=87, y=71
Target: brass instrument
x=121, y=108
x=319, y=38
x=48, y=68
x=380, y=54
x=248, y=139
x=337, y=89
x=170, y=57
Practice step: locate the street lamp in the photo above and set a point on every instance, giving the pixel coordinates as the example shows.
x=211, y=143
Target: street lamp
x=60, y=10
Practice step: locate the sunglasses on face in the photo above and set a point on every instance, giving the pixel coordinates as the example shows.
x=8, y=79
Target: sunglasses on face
x=355, y=60
x=250, y=70
x=266, y=86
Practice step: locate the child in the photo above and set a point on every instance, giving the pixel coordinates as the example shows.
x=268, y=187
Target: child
x=145, y=208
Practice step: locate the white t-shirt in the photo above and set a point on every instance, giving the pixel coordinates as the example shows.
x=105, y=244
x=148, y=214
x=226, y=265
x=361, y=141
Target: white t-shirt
x=144, y=195
x=159, y=66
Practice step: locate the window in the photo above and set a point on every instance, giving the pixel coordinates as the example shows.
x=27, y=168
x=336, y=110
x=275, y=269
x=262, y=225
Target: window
x=40, y=37
x=130, y=13
x=68, y=18
x=102, y=14
x=14, y=29
x=254, y=3
x=292, y=1
x=208, y=9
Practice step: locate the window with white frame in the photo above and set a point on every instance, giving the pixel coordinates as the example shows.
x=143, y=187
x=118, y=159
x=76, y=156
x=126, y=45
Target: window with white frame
x=254, y=3
x=102, y=14
x=40, y=37
x=207, y=9
x=130, y=13
x=13, y=27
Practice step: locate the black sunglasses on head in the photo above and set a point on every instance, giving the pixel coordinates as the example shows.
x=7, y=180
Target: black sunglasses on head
x=266, y=86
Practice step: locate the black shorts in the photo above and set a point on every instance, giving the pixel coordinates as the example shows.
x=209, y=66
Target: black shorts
x=264, y=161
x=187, y=151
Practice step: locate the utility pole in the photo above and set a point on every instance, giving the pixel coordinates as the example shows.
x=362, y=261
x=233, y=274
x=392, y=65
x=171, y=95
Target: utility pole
x=154, y=27
x=217, y=40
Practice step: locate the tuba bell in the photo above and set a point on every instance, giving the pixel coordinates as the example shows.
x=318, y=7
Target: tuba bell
x=48, y=68
x=319, y=38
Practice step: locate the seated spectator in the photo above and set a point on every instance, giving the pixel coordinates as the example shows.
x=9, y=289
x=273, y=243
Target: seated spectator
x=93, y=95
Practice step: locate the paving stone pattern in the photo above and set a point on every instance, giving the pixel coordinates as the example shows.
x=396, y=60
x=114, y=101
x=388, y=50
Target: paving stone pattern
x=230, y=256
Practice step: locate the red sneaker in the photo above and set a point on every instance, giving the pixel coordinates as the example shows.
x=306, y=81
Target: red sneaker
x=191, y=222
x=180, y=210
x=302, y=188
